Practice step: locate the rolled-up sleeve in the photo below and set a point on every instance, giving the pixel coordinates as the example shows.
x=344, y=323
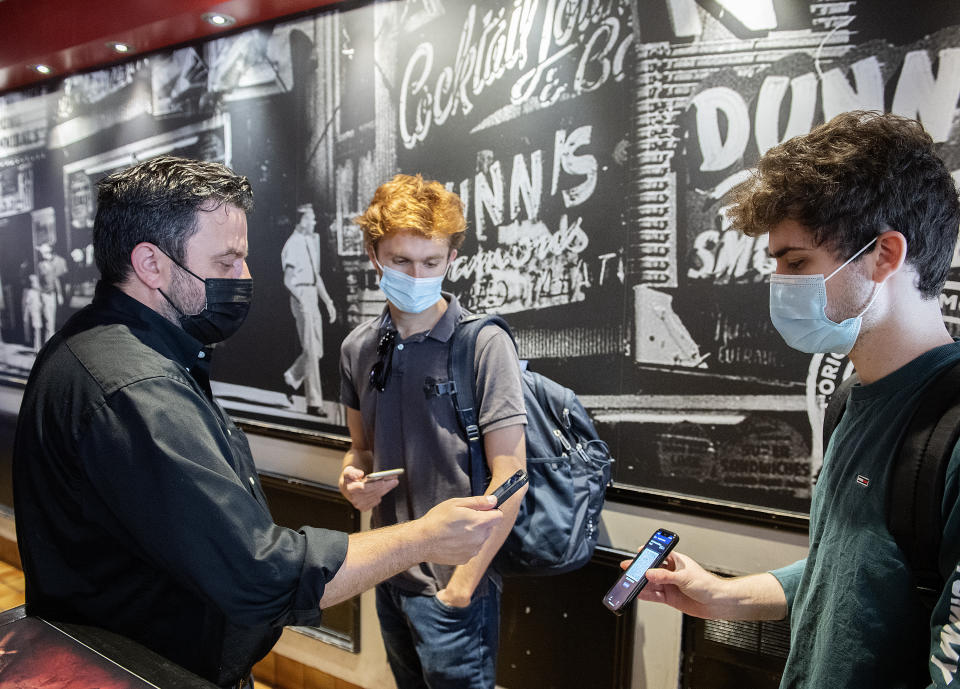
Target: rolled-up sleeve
x=325, y=552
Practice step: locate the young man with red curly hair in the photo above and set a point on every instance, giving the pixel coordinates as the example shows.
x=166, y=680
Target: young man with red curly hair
x=440, y=624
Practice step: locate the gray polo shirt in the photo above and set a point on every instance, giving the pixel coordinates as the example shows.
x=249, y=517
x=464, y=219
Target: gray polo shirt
x=409, y=426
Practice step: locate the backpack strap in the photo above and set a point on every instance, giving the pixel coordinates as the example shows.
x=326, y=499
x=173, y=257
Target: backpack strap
x=460, y=368
x=833, y=413
x=836, y=407
x=916, y=485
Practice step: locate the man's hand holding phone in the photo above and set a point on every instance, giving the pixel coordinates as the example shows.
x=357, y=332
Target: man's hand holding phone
x=680, y=583
x=683, y=584
x=383, y=475
x=456, y=529
x=634, y=579
x=365, y=491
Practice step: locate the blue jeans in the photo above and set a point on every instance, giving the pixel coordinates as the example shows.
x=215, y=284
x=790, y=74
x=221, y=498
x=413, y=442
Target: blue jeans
x=434, y=646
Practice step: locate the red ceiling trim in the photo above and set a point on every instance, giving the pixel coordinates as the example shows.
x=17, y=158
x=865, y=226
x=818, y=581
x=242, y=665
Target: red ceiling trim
x=75, y=35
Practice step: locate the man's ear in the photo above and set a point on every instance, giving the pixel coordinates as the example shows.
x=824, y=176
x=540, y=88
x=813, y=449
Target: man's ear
x=149, y=267
x=891, y=252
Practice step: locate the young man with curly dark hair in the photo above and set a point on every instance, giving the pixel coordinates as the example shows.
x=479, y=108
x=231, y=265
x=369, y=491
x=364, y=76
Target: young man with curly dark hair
x=862, y=218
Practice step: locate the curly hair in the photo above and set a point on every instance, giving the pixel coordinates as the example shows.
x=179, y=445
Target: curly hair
x=157, y=201
x=408, y=202
x=850, y=178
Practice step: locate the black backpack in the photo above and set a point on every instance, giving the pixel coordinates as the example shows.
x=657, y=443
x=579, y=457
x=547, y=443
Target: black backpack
x=568, y=465
x=915, y=495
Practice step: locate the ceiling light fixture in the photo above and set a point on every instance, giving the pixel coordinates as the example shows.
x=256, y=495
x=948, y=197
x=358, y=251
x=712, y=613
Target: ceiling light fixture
x=43, y=69
x=218, y=19
x=120, y=47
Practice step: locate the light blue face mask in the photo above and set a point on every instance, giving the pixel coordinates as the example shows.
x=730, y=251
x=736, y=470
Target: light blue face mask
x=410, y=294
x=798, y=306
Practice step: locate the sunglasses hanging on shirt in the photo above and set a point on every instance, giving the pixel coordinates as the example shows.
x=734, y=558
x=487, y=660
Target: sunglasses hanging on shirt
x=380, y=372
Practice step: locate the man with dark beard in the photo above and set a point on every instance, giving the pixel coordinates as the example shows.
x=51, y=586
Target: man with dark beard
x=138, y=504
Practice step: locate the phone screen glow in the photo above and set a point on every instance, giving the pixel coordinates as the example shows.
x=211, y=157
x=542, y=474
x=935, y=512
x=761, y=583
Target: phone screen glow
x=643, y=563
x=632, y=579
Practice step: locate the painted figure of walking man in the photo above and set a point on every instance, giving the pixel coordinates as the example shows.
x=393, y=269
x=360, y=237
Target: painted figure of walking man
x=301, y=276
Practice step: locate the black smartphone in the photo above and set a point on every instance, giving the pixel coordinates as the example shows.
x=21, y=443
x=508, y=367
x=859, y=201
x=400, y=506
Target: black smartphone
x=634, y=578
x=510, y=486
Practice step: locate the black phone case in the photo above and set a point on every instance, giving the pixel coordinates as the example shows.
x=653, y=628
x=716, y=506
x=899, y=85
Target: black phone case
x=510, y=486
x=633, y=594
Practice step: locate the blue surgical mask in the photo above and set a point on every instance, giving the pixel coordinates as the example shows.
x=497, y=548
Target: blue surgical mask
x=798, y=306
x=410, y=294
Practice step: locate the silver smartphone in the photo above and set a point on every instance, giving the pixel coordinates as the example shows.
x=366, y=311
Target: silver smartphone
x=381, y=475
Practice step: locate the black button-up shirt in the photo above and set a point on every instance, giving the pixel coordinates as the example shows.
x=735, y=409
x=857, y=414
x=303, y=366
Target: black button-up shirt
x=138, y=506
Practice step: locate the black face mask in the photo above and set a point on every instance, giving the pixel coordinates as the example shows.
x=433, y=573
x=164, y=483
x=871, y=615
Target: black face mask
x=227, y=304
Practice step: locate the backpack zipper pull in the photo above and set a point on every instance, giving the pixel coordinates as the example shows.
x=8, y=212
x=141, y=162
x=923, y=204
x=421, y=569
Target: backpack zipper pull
x=582, y=452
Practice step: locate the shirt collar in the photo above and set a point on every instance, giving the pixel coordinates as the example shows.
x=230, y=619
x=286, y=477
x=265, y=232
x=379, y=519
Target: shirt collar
x=442, y=329
x=151, y=328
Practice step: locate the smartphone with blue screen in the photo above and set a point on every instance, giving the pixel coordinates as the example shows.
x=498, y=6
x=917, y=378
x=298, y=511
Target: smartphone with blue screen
x=632, y=581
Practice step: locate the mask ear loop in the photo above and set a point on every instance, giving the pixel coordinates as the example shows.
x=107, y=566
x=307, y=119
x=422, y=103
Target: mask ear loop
x=879, y=289
x=872, y=299
x=848, y=261
x=177, y=263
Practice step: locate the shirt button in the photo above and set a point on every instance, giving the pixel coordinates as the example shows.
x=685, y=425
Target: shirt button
x=201, y=355
x=400, y=346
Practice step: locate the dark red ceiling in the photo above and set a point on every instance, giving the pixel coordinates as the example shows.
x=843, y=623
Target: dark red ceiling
x=73, y=35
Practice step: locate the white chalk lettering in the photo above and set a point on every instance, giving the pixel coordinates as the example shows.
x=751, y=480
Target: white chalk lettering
x=496, y=46
x=803, y=92
x=730, y=256
x=723, y=120
x=526, y=185
x=755, y=15
x=718, y=152
x=526, y=181
x=538, y=268
x=489, y=196
x=565, y=158
x=931, y=100
x=840, y=96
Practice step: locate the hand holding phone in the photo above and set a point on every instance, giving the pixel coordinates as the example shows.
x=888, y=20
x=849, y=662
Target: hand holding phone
x=510, y=486
x=382, y=475
x=634, y=578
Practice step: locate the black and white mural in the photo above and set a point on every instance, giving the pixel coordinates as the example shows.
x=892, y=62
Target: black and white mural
x=592, y=142
x=717, y=84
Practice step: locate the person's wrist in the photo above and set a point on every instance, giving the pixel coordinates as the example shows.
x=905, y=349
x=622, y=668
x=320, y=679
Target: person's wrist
x=455, y=597
x=416, y=535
